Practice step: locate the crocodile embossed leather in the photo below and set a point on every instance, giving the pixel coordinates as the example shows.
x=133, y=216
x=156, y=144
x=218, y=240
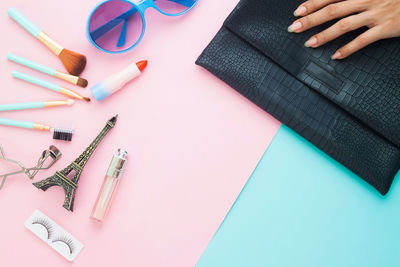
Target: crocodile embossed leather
x=348, y=108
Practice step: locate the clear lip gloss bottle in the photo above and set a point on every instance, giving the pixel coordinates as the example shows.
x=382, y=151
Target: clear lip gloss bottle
x=109, y=186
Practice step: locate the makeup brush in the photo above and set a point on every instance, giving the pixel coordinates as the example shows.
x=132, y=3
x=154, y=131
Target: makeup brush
x=73, y=62
x=49, y=85
x=33, y=105
x=50, y=71
x=58, y=133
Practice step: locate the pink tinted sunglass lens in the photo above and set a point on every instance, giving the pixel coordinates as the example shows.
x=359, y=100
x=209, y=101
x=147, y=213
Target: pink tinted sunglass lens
x=116, y=25
x=174, y=6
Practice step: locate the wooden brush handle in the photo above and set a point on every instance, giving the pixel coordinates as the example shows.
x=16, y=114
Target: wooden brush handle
x=50, y=43
x=66, y=77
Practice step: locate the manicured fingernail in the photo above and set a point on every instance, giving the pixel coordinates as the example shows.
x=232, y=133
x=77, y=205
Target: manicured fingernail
x=311, y=42
x=336, y=55
x=294, y=27
x=300, y=11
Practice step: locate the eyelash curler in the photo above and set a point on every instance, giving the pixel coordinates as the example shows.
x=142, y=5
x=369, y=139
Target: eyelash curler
x=53, y=153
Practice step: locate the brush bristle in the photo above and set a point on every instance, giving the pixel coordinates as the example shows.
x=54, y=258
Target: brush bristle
x=62, y=134
x=82, y=82
x=87, y=99
x=73, y=62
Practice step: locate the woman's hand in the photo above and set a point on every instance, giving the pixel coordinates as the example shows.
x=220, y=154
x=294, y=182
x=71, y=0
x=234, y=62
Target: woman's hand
x=382, y=17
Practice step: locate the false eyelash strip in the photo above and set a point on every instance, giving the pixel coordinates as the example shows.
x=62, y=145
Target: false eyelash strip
x=54, y=235
x=46, y=224
x=67, y=241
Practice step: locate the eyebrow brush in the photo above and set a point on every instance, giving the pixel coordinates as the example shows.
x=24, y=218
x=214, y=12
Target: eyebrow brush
x=49, y=85
x=58, y=133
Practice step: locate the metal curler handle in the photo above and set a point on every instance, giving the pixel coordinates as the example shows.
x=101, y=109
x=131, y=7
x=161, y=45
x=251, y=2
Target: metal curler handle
x=4, y=176
x=53, y=152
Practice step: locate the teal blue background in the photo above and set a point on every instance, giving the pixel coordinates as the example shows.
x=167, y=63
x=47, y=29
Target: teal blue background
x=302, y=208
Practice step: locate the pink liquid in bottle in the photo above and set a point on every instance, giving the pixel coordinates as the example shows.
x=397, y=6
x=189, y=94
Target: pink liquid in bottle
x=109, y=186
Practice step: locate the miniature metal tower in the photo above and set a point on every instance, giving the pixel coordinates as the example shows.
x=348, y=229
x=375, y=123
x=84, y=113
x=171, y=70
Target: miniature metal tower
x=61, y=178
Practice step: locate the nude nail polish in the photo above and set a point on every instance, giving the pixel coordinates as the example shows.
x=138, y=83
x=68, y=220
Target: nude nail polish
x=336, y=55
x=295, y=26
x=301, y=10
x=311, y=42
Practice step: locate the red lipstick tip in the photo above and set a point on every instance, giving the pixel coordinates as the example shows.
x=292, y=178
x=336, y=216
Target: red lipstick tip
x=142, y=65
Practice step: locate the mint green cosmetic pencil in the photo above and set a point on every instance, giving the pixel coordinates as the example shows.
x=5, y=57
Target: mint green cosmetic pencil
x=33, y=105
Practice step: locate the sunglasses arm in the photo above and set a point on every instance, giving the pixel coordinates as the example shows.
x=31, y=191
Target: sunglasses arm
x=100, y=31
x=105, y=28
x=122, y=36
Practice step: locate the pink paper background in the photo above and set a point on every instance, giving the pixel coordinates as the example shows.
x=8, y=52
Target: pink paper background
x=193, y=141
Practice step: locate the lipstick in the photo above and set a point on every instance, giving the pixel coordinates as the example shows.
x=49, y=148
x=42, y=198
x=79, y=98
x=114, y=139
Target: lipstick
x=117, y=80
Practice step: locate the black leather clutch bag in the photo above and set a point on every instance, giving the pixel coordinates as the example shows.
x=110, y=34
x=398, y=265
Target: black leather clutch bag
x=348, y=108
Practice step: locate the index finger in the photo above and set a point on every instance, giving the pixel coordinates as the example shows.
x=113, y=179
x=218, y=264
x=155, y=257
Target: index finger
x=310, y=6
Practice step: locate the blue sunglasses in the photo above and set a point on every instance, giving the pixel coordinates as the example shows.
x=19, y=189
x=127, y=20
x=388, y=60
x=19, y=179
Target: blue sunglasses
x=117, y=26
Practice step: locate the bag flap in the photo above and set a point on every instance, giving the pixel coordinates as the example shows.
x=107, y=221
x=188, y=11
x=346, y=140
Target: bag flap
x=367, y=84
x=301, y=108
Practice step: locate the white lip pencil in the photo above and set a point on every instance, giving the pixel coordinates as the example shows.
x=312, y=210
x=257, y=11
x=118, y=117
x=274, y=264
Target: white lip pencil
x=118, y=80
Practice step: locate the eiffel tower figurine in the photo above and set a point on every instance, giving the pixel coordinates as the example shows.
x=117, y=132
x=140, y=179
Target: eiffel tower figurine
x=74, y=170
